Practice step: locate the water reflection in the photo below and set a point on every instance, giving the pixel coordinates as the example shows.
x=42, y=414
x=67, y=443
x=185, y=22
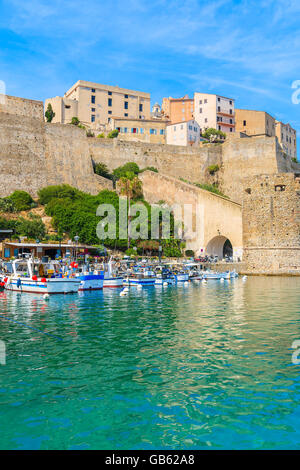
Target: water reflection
x=193, y=366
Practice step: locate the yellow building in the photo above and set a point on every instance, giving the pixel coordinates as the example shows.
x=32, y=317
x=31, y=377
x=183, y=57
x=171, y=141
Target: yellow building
x=287, y=138
x=137, y=130
x=253, y=122
x=94, y=104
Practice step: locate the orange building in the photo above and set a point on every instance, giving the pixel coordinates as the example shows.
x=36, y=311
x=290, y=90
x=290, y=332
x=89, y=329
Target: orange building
x=178, y=109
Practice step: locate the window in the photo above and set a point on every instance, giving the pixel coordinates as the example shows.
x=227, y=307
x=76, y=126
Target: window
x=140, y=108
x=93, y=90
x=200, y=102
x=205, y=101
x=219, y=128
x=125, y=130
x=126, y=114
x=230, y=120
x=162, y=132
x=93, y=99
x=109, y=112
x=205, y=120
x=126, y=96
x=93, y=110
x=219, y=108
x=200, y=110
x=67, y=106
x=174, y=128
x=244, y=123
x=153, y=131
x=141, y=130
x=110, y=93
x=230, y=101
x=125, y=104
x=93, y=118
x=109, y=101
x=219, y=99
x=134, y=130
x=231, y=129
x=230, y=111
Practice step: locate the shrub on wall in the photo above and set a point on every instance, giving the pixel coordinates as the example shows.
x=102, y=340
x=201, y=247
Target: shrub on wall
x=212, y=169
x=113, y=134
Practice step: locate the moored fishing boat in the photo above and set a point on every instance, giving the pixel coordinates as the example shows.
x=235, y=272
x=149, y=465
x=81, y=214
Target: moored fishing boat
x=216, y=276
x=39, y=278
x=111, y=279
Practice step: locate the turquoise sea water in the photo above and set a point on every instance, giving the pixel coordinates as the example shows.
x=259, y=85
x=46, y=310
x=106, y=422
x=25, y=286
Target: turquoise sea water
x=187, y=367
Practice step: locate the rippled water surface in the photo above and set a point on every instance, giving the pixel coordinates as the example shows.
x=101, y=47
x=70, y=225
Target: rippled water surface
x=187, y=367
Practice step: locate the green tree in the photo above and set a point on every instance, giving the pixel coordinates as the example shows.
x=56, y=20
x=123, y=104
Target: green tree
x=213, y=135
x=49, y=114
x=32, y=227
x=124, y=169
x=131, y=187
x=22, y=200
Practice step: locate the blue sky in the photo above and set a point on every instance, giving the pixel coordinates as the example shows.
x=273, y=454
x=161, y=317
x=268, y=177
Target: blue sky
x=248, y=50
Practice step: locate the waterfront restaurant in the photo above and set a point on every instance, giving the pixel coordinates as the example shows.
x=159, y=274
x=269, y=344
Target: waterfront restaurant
x=52, y=250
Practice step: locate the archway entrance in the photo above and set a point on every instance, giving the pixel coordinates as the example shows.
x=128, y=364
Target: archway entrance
x=219, y=246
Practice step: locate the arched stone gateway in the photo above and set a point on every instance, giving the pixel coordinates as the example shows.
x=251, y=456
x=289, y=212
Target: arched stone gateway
x=216, y=221
x=219, y=246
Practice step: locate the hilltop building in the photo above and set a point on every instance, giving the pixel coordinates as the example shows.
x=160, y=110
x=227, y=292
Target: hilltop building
x=147, y=130
x=214, y=111
x=94, y=104
x=183, y=133
x=287, y=138
x=256, y=123
x=178, y=109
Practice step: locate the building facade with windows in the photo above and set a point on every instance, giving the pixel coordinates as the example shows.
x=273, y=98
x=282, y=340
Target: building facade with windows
x=287, y=138
x=136, y=130
x=253, y=122
x=178, y=109
x=183, y=133
x=214, y=111
x=94, y=104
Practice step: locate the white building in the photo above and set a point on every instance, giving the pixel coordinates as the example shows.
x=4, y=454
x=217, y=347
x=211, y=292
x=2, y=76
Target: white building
x=214, y=111
x=183, y=133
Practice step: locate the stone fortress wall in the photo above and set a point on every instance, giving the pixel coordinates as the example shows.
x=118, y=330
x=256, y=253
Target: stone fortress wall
x=35, y=154
x=271, y=224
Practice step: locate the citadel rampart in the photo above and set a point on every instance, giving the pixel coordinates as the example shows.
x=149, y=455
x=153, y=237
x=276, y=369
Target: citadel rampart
x=271, y=224
x=22, y=107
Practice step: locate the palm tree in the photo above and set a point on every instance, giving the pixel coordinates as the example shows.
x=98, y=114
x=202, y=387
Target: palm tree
x=131, y=187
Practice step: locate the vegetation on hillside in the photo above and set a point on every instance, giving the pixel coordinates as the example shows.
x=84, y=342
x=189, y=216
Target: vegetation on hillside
x=74, y=212
x=213, y=188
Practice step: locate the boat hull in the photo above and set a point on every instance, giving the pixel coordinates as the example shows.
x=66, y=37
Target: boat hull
x=141, y=282
x=181, y=277
x=51, y=286
x=113, y=282
x=91, y=282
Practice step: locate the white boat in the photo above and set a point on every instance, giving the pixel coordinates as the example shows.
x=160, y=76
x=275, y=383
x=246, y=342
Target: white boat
x=213, y=275
x=110, y=278
x=39, y=278
x=181, y=277
x=138, y=278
